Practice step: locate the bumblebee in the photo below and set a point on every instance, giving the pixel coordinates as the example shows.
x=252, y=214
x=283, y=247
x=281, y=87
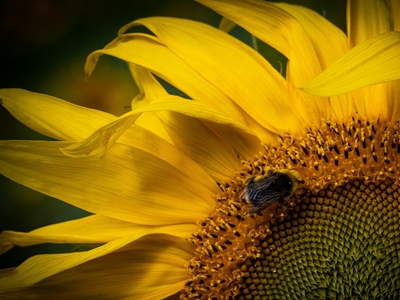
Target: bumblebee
x=261, y=191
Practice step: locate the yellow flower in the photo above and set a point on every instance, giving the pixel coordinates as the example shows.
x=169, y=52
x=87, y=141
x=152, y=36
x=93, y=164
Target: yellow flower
x=170, y=171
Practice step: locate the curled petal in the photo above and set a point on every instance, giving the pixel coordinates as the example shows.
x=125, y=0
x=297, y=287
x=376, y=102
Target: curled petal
x=285, y=33
x=148, y=52
x=101, y=141
x=204, y=48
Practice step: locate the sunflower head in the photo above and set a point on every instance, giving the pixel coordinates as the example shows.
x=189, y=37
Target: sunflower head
x=258, y=187
x=342, y=226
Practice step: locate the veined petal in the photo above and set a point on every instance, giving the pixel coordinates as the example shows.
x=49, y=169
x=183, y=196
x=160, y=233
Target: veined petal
x=156, y=261
x=72, y=122
x=265, y=136
x=357, y=68
x=236, y=69
x=285, y=33
x=51, y=116
x=129, y=184
x=307, y=110
x=380, y=100
x=275, y=27
x=342, y=107
x=366, y=19
x=391, y=93
x=206, y=147
x=100, y=142
x=145, y=140
x=221, y=165
x=244, y=144
x=93, y=229
x=148, y=52
x=32, y=109
x=328, y=48
x=329, y=41
x=150, y=90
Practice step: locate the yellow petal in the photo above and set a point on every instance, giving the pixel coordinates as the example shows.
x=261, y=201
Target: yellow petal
x=149, y=268
x=210, y=151
x=391, y=94
x=236, y=69
x=275, y=27
x=101, y=141
x=266, y=136
x=366, y=19
x=51, y=116
x=377, y=101
x=285, y=33
x=93, y=229
x=342, y=107
x=244, y=144
x=148, y=52
x=142, y=139
x=129, y=184
x=307, y=109
x=203, y=145
x=65, y=121
x=374, y=61
x=62, y=120
x=238, y=139
x=98, y=144
x=329, y=42
x=150, y=90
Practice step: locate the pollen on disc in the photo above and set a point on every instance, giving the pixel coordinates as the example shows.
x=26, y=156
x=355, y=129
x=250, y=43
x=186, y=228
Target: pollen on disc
x=338, y=237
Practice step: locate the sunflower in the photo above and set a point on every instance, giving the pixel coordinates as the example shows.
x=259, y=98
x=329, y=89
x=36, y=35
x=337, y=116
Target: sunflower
x=165, y=182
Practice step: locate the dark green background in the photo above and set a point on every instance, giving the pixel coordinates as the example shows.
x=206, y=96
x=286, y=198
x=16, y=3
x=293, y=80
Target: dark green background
x=44, y=44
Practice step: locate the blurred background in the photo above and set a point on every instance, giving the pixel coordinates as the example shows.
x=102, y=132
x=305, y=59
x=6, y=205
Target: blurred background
x=44, y=44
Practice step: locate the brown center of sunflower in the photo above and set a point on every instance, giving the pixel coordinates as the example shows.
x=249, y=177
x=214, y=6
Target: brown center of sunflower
x=340, y=240
x=342, y=243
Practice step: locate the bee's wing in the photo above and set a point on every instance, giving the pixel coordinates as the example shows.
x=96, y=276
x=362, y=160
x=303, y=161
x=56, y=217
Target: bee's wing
x=258, y=189
x=258, y=204
x=260, y=194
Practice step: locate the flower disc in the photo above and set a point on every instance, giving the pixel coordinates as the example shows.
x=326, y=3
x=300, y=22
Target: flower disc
x=341, y=243
x=340, y=237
